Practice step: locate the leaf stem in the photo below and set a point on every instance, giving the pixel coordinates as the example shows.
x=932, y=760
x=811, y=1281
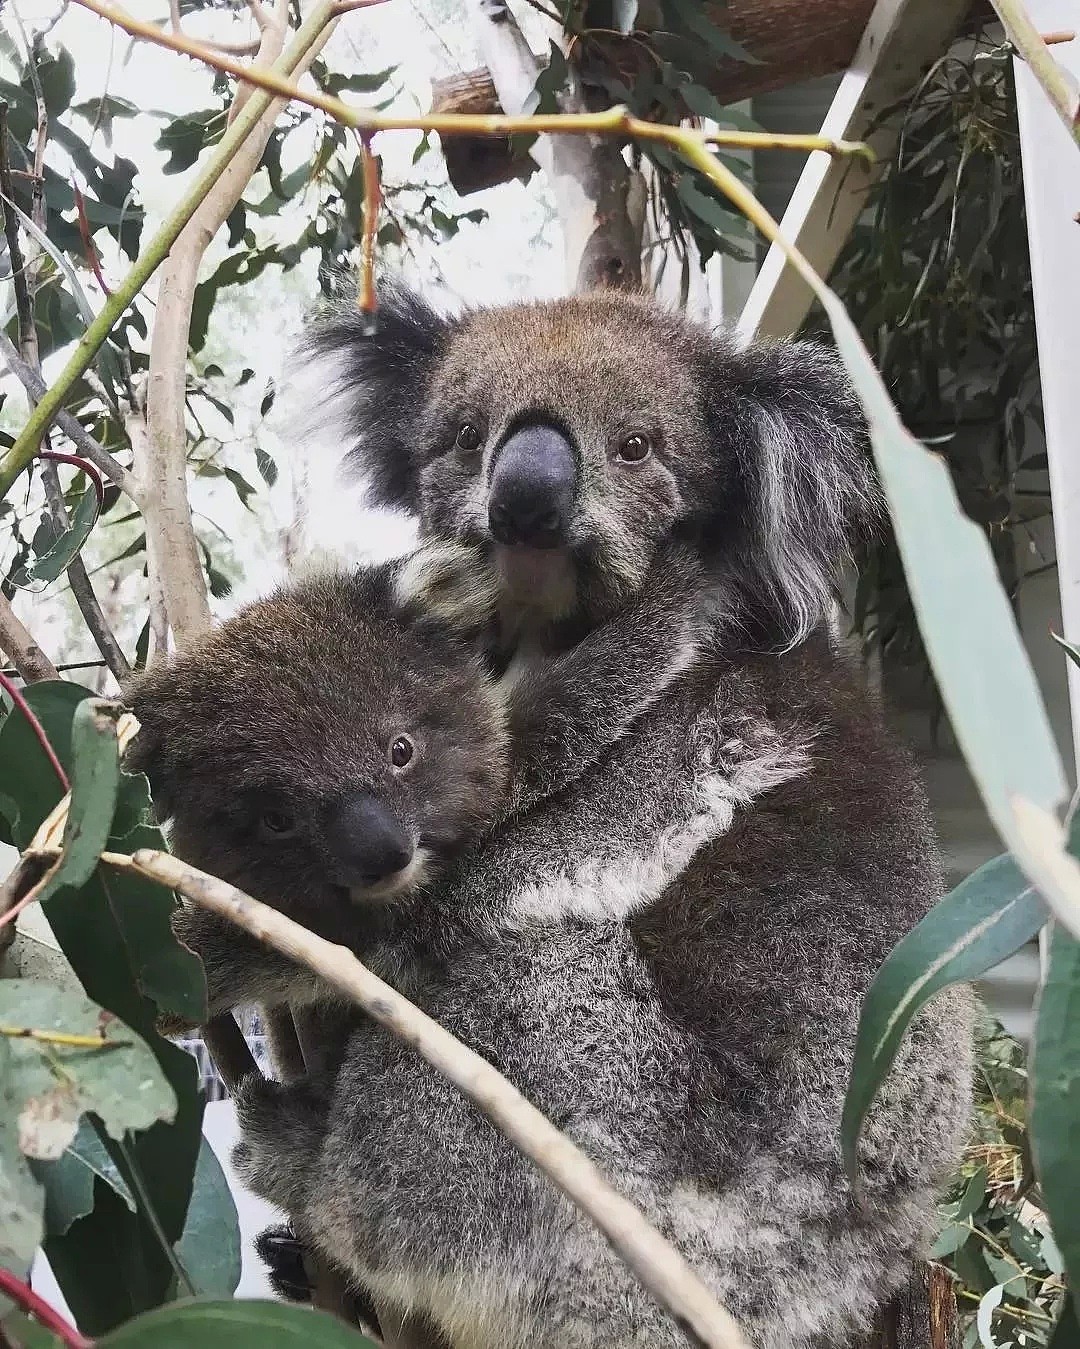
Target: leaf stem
x=137, y=1182
x=25, y=1297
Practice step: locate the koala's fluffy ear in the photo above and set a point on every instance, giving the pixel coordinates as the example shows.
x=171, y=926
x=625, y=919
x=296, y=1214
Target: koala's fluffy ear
x=371, y=377
x=451, y=584
x=807, y=477
x=154, y=699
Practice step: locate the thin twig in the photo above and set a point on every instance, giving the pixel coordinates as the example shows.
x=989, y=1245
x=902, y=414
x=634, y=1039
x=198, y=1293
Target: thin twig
x=20, y=648
x=83, y=441
x=81, y=586
x=23, y=304
x=372, y=202
x=614, y=121
x=661, y=1268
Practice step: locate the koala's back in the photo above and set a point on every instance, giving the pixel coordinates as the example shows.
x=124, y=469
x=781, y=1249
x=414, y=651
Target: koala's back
x=696, y=1041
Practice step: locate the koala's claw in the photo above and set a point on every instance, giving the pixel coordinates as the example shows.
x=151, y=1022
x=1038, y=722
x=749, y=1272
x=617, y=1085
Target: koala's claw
x=282, y=1252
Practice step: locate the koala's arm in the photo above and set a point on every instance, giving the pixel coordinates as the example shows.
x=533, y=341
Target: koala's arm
x=564, y=713
x=241, y=971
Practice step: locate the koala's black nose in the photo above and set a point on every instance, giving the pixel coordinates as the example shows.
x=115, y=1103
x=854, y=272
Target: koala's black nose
x=533, y=488
x=365, y=839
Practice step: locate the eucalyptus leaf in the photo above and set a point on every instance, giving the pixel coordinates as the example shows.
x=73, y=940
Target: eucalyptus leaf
x=21, y=1197
x=976, y=926
x=223, y=1325
x=68, y=1181
x=47, y=566
x=94, y=787
x=1055, y=1098
x=52, y=1083
x=210, y=1246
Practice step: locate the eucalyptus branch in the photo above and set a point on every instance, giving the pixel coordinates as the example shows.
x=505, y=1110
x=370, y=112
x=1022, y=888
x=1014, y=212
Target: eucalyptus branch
x=661, y=1268
x=172, y=553
x=1058, y=84
x=154, y=254
x=20, y=648
x=83, y=441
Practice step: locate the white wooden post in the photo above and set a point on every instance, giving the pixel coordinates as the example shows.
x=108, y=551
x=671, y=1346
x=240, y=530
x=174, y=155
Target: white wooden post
x=1051, y=160
x=901, y=39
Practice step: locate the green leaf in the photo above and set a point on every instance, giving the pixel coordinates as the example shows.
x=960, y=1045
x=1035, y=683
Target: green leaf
x=222, y=1325
x=69, y=1180
x=53, y=1084
x=689, y=15
x=1073, y=652
x=951, y=1239
x=26, y=1334
x=1055, y=1097
x=115, y=931
x=47, y=566
x=267, y=468
x=184, y=138
x=94, y=789
x=969, y=630
x=21, y=1199
x=976, y=926
x=210, y=1247
x=988, y=1304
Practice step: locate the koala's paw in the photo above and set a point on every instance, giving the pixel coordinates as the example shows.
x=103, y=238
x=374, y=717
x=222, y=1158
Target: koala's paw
x=452, y=583
x=282, y=1252
x=174, y=1027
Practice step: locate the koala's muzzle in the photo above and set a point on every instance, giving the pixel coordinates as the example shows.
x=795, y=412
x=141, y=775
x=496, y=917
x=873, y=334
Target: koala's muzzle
x=365, y=839
x=533, y=487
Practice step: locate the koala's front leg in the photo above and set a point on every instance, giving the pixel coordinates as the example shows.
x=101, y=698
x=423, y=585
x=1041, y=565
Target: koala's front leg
x=566, y=712
x=241, y=971
x=282, y=1127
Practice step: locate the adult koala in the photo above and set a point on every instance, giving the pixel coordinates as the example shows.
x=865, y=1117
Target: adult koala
x=668, y=956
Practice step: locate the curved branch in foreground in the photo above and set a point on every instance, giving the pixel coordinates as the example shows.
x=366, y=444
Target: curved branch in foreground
x=659, y=1266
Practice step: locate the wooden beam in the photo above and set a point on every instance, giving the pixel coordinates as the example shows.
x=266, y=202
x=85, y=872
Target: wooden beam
x=1051, y=161
x=902, y=39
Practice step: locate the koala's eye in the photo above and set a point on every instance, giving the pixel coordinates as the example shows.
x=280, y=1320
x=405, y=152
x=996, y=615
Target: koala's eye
x=635, y=448
x=401, y=751
x=279, y=823
x=467, y=439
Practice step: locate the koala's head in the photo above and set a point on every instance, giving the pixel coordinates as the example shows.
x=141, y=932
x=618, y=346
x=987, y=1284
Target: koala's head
x=332, y=741
x=574, y=436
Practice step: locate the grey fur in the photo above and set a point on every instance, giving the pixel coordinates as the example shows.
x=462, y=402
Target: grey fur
x=669, y=956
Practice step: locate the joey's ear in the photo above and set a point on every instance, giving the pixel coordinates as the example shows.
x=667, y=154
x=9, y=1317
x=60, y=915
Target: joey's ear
x=151, y=698
x=371, y=377
x=449, y=583
x=807, y=477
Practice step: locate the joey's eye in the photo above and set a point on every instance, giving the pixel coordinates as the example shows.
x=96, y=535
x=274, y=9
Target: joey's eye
x=635, y=448
x=279, y=823
x=467, y=439
x=401, y=751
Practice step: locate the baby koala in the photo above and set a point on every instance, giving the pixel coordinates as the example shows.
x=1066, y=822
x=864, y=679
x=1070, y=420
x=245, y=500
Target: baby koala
x=329, y=747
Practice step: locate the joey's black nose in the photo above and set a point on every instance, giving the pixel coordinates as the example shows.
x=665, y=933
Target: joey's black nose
x=533, y=487
x=366, y=840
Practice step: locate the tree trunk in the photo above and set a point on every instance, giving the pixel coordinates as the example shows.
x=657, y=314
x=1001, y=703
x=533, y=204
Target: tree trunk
x=921, y=1316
